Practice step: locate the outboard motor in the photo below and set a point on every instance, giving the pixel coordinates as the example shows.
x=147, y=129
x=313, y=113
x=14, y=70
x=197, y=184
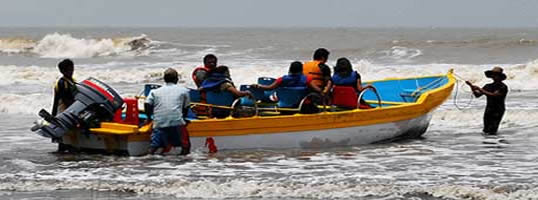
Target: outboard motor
x=94, y=101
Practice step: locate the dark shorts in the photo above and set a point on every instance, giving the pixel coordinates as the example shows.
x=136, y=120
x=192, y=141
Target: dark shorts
x=162, y=137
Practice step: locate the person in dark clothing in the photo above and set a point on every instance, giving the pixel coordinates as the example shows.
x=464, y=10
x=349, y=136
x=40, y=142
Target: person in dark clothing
x=344, y=75
x=219, y=80
x=65, y=88
x=496, y=94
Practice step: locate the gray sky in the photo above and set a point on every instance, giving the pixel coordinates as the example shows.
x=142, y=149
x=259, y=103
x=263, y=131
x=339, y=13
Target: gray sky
x=269, y=13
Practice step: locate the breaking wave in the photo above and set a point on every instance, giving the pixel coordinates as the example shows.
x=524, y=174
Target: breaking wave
x=58, y=45
x=46, y=76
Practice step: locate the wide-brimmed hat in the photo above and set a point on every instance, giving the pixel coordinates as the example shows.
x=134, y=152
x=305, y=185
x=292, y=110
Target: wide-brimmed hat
x=497, y=71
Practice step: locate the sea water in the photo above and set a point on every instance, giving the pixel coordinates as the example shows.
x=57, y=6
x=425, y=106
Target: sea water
x=450, y=162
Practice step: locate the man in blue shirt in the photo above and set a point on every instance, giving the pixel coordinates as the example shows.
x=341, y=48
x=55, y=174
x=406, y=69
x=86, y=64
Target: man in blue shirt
x=168, y=105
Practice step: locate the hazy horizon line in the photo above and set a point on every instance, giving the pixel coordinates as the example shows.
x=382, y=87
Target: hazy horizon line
x=262, y=27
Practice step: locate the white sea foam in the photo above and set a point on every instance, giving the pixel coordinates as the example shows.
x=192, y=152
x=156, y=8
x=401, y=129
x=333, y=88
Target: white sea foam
x=473, y=117
x=24, y=104
x=402, y=54
x=65, y=46
x=46, y=76
x=241, y=188
x=15, y=45
x=58, y=45
x=521, y=77
x=28, y=165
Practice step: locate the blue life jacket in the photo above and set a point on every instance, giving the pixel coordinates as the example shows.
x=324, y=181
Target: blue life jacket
x=294, y=80
x=351, y=80
x=213, y=81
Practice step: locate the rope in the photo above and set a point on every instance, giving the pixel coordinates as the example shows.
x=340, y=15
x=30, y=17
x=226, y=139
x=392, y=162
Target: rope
x=426, y=86
x=458, y=86
x=211, y=105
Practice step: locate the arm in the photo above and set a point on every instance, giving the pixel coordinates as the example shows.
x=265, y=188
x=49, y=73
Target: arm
x=238, y=93
x=475, y=89
x=360, y=88
x=186, y=103
x=57, y=91
x=493, y=94
x=55, y=104
x=314, y=87
x=327, y=87
x=327, y=79
x=148, y=108
x=267, y=87
x=148, y=105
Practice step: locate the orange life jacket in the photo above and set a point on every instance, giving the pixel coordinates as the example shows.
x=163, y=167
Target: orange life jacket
x=311, y=69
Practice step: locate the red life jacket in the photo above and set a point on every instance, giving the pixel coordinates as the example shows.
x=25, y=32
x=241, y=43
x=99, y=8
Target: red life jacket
x=200, y=110
x=196, y=70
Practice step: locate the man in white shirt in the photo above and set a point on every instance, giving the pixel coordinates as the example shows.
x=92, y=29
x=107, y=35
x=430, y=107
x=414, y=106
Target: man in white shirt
x=169, y=105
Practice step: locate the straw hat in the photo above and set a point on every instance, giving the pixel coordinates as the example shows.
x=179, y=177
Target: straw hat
x=495, y=70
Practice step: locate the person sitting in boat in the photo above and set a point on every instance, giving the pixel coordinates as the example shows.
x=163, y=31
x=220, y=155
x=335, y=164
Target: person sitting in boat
x=199, y=74
x=65, y=88
x=169, y=106
x=344, y=75
x=219, y=80
x=295, y=78
x=318, y=71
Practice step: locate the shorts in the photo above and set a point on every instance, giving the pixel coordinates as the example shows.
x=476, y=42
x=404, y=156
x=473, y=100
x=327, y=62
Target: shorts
x=162, y=137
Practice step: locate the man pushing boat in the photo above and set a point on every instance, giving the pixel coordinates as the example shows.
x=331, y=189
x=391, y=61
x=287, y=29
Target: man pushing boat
x=169, y=106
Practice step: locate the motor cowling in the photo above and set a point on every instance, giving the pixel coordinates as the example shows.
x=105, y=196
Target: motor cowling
x=94, y=101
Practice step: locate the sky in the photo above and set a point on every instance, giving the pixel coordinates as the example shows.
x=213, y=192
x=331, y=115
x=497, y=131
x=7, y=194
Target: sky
x=270, y=13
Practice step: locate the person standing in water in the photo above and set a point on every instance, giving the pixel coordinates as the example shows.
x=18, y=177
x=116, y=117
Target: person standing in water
x=65, y=88
x=496, y=95
x=169, y=105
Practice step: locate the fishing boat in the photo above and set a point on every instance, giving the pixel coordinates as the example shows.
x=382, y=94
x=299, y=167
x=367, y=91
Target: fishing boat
x=400, y=108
